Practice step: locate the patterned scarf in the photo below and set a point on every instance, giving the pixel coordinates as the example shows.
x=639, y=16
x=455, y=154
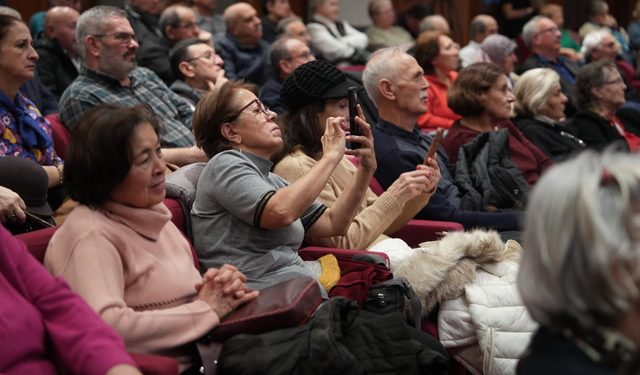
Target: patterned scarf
x=27, y=124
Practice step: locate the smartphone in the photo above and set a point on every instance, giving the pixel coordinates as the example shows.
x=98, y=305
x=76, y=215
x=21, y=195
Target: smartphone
x=434, y=145
x=36, y=222
x=354, y=129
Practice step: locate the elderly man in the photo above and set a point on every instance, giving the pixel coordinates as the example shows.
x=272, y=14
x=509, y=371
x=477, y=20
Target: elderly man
x=197, y=68
x=383, y=33
x=395, y=82
x=481, y=27
x=37, y=21
x=276, y=10
x=286, y=55
x=336, y=41
x=244, y=52
x=207, y=18
x=542, y=36
x=600, y=19
x=177, y=22
x=107, y=46
x=143, y=16
x=58, y=64
x=293, y=27
x=435, y=22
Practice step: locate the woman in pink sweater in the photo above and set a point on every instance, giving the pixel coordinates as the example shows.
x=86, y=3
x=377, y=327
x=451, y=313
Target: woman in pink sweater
x=119, y=249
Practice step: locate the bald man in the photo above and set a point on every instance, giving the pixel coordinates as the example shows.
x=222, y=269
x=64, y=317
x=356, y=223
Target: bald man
x=58, y=64
x=481, y=27
x=244, y=52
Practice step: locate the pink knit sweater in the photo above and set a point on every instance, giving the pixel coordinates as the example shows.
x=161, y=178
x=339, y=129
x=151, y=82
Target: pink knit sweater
x=135, y=269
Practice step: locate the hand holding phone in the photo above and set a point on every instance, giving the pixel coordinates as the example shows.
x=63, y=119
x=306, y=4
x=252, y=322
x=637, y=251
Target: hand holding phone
x=434, y=145
x=354, y=128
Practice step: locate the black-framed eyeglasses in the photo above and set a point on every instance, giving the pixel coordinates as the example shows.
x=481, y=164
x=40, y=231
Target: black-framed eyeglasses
x=261, y=106
x=306, y=56
x=188, y=26
x=124, y=38
x=551, y=30
x=618, y=81
x=208, y=56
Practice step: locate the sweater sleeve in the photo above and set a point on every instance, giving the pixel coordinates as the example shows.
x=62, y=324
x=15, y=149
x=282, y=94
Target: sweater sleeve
x=95, y=271
x=82, y=342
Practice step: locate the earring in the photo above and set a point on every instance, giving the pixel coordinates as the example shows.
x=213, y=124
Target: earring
x=240, y=147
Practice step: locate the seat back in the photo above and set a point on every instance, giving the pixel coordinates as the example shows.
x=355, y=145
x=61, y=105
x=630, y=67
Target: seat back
x=181, y=186
x=60, y=134
x=374, y=185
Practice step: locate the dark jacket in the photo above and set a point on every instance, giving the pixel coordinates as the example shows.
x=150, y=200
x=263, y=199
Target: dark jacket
x=40, y=96
x=399, y=151
x=154, y=55
x=270, y=96
x=144, y=25
x=269, y=33
x=334, y=341
x=241, y=61
x=558, y=142
x=188, y=93
x=535, y=61
x=55, y=68
x=597, y=133
x=486, y=176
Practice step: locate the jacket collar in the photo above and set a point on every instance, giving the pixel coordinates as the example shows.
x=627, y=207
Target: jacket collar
x=264, y=165
x=322, y=19
x=148, y=222
x=395, y=131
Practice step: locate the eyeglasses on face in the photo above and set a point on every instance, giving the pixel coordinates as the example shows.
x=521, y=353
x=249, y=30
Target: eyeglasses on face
x=187, y=26
x=305, y=56
x=206, y=56
x=124, y=38
x=552, y=30
x=263, y=108
x=618, y=81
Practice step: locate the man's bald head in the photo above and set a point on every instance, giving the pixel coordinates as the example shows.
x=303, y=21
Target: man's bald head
x=60, y=24
x=243, y=23
x=434, y=22
x=482, y=26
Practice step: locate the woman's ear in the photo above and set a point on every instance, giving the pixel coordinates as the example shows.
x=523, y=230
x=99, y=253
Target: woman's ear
x=229, y=132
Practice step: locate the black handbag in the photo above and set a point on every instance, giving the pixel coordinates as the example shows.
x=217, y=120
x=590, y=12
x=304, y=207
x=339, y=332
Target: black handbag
x=389, y=297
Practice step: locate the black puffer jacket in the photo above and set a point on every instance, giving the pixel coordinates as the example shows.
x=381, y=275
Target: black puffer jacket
x=486, y=177
x=334, y=341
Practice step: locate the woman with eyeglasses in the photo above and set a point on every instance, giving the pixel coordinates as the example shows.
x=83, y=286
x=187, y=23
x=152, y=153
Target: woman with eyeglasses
x=599, y=92
x=24, y=132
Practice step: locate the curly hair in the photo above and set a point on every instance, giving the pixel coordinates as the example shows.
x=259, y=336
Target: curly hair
x=591, y=75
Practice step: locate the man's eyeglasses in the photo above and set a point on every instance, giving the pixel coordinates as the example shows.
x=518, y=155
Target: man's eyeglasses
x=552, y=30
x=124, y=38
x=188, y=26
x=207, y=56
x=305, y=56
x=618, y=82
x=261, y=106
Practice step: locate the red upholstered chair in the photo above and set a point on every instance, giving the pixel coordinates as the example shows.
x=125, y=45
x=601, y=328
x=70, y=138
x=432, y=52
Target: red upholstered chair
x=523, y=51
x=61, y=135
x=629, y=74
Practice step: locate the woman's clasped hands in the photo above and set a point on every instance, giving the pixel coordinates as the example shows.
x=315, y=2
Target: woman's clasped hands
x=224, y=289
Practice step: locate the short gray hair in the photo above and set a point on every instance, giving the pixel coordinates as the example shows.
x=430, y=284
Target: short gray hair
x=595, y=7
x=374, y=6
x=533, y=89
x=582, y=221
x=531, y=28
x=382, y=64
x=10, y=12
x=593, y=40
x=94, y=21
x=428, y=23
x=281, y=28
x=279, y=51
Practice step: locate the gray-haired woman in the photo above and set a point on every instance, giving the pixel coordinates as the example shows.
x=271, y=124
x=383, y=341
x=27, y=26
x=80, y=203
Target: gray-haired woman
x=580, y=274
x=540, y=106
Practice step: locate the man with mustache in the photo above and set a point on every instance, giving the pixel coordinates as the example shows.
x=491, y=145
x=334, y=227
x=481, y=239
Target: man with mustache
x=395, y=82
x=107, y=46
x=245, y=53
x=543, y=36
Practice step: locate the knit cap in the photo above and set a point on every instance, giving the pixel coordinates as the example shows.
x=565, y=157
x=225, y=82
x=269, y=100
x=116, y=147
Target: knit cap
x=497, y=47
x=313, y=81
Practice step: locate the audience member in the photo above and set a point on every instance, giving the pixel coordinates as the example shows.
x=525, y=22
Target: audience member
x=207, y=18
x=481, y=96
x=37, y=22
x=481, y=27
x=539, y=107
x=599, y=92
x=500, y=50
x=107, y=46
x=335, y=40
x=579, y=273
x=245, y=54
x=10, y=12
x=516, y=13
x=197, y=68
x=25, y=133
x=119, y=248
x=411, y=19
x=143, y=16
x=396, y=83
x=634, y=28
x=287, y=54
x=59, y=63
x=542, y=36
x=600, y=19
x=302, y=132
x=569, y=47
x=47, y=328
x=293, y=27
x=383, y=33
x=177, y=22
x=275, y=11
x=435, y=23
x=437, y=55
x=40, y=96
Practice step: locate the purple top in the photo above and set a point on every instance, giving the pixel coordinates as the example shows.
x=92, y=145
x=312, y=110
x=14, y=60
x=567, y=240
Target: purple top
x=40, y=317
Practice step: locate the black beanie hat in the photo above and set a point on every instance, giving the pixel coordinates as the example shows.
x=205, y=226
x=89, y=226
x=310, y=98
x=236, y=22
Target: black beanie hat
x=27, y=179
x=312, y=81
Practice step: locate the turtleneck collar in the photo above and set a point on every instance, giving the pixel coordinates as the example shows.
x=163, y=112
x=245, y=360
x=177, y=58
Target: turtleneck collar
x=148, y=222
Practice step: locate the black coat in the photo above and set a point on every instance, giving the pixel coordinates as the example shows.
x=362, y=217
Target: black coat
x=597, y=133
x=154, y=55
x=55, y=69
x=486, y=176
x=566, y=86
x=558, y=142
x=144, y=25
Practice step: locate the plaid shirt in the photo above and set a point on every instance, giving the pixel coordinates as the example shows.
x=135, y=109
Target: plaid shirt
x=92, y=88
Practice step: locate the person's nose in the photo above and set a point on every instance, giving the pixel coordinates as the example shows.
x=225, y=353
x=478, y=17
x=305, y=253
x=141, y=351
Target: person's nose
x=563, y=98
x=510, y=97
x=219, y=60
x=33, y=55
x=425, y=83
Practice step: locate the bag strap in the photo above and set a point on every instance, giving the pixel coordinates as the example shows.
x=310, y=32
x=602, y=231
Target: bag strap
x=414, y=302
